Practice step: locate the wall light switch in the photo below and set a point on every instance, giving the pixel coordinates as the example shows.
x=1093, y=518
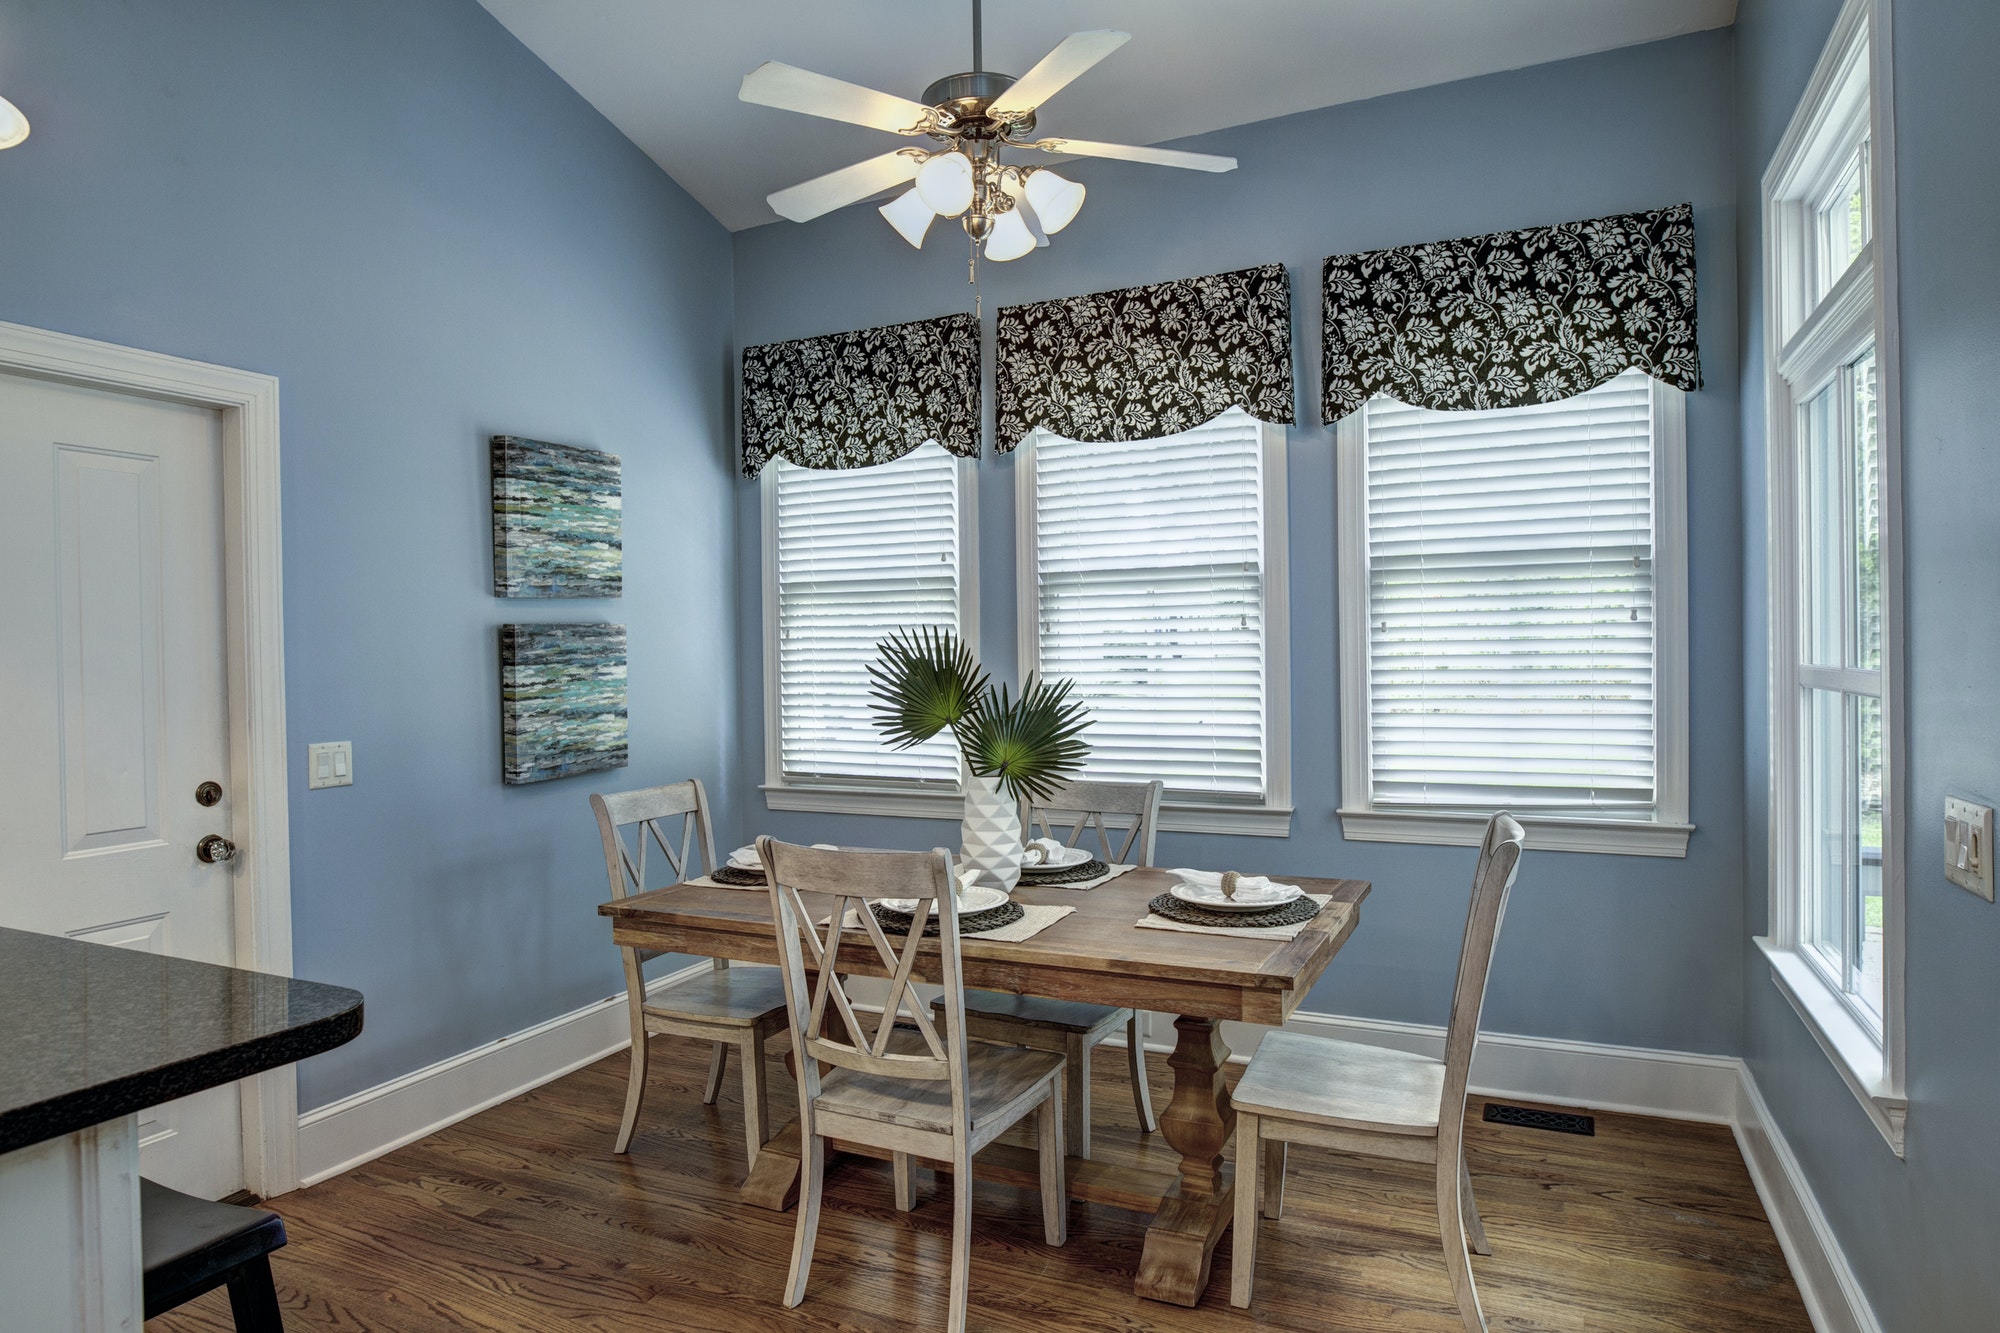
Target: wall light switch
x=330, y=764
x=1968, y=846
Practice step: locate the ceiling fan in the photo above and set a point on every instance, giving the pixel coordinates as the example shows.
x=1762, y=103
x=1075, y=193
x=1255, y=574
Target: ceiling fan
x=1010, y=207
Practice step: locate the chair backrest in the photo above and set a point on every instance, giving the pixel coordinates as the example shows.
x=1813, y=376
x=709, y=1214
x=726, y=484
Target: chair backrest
x=812, y=944
x=653, y=810
x=1082, y=805
x=1492, y=878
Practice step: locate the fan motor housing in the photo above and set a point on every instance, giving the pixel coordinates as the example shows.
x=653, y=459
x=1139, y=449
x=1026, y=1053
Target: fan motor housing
x=966, y=96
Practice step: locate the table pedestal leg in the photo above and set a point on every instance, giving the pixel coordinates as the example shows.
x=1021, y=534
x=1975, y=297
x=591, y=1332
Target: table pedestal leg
x=774, y=1182
x=1180, y=1243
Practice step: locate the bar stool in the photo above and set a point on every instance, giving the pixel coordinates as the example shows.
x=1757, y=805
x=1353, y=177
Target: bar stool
x=189, y=1246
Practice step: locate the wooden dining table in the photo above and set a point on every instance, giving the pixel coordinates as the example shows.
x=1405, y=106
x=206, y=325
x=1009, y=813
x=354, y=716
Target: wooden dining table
x=1095, y=955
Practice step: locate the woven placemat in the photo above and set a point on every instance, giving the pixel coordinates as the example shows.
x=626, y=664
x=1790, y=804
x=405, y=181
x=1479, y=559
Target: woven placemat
x=898, y=923
x=1292, y=913
x=731, y=875
x=1091, y=869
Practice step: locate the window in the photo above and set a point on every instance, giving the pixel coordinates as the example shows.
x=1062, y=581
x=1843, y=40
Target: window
x=1148, y=577
x=848, y=557
x=1836, y=866
x=1513, y=621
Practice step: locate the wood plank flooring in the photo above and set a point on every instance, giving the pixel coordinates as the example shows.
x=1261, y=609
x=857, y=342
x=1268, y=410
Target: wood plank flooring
x=522, y=1219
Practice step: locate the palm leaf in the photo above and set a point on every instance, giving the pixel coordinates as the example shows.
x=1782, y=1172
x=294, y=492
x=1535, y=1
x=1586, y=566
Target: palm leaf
x=1033, y=743
x=925, y=680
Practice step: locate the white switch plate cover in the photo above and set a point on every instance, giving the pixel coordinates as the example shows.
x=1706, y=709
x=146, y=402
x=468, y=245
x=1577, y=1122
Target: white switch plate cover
x=329, y=764
x=1968, y=846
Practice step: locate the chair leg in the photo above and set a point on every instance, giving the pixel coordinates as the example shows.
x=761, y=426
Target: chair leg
x=1475, y=1230
x=635, y=1086
x=253, y=1300
x=756, y=1104
x=906, y=1181
x=1135, y=1054
x=1076, y=1099
x=1274, y=1178
x=1055, y=1166
x=718, y=1061
x=961, y=1235
x=812, y=1180
x=1243, y=1254
x=1451, y=1222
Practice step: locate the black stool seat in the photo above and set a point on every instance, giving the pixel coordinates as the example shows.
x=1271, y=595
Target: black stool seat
x=189, y=1246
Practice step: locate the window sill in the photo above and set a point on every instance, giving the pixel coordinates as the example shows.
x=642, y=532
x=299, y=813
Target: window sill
x=1175, y=816
x=1545, y=834
x=1854, y=1050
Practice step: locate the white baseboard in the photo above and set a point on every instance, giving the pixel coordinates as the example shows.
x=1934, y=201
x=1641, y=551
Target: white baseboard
x=342, y=1135
x=1833, y=1296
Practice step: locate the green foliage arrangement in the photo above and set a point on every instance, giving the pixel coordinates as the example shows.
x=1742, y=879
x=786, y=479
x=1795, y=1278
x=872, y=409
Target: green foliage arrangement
x=926, y=680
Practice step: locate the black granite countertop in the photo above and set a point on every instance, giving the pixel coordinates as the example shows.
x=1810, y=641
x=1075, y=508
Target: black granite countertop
x=89, y=1032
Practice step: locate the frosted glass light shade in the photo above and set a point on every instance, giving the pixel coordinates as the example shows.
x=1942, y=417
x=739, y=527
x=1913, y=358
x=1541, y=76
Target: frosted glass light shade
x=909, y=215
x=1056, y=200
x=1010, y=239
x=945, y=183
x=13, y=125
x=1017, y=190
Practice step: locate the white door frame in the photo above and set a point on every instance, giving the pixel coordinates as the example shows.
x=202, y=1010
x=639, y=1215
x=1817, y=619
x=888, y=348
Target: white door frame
x=254, y=622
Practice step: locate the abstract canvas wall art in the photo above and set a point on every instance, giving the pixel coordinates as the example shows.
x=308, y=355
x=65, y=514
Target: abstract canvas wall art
x=562, y=700
x=557, y=520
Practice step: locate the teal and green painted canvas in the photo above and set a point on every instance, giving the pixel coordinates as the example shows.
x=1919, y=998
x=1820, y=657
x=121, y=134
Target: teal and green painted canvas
x=562, y=700
x=557, y=515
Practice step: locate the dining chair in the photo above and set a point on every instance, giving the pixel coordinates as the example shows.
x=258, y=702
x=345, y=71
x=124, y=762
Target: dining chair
x=898, y=1083
x=732, y=1008
x=1376, y=1102
x=1065, y=1027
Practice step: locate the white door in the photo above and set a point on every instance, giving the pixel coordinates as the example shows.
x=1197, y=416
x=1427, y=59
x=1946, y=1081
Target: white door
x=113, y=685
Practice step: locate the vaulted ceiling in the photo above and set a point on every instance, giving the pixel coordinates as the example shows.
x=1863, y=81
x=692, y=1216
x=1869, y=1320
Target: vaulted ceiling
x=666, y=71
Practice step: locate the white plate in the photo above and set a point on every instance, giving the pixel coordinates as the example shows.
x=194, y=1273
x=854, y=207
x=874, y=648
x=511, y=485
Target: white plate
x=1246, y=900
x=975, y=899
x=1063, y=860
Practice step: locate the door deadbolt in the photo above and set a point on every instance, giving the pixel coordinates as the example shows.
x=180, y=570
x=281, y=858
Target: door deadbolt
x=208, y=793
x=214, y=849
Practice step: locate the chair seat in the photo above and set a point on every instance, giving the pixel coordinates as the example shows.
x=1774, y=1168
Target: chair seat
x=1342, y=1084
x=1037, y=1011
x=188, y=1246
x=997, y=1077
x=736, y=996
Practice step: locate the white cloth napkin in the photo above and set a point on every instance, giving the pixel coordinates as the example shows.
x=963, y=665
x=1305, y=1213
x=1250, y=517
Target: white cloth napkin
x=1210, y=879
x=746, y=858
x=1039, y=851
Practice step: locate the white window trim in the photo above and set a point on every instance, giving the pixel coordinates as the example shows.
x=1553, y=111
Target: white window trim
x=1872, y=1067
x=1666, y=835
x=860, y=798
x=1272, y=817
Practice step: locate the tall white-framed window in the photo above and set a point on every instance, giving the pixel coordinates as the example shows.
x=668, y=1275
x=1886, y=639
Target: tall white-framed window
x=1513, y=617
x=1835, y=939
x=1153, y=573
x=850, y=556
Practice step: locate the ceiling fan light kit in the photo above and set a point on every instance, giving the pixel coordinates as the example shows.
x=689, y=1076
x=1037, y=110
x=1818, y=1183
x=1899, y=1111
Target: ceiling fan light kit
x=13, y=125
x=1010, y=207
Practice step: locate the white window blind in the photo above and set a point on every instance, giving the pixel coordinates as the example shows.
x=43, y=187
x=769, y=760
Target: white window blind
x=1511, y=651
x=1149, y=593
x=858, y=554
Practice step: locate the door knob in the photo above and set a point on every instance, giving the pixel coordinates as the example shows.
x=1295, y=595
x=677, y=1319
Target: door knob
x=214, y=849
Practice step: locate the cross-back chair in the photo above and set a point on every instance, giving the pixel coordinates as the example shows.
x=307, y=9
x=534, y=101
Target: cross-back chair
x=1376, y=1102
x=904, y=1080
x=1065, y=1027
x=732, y=1008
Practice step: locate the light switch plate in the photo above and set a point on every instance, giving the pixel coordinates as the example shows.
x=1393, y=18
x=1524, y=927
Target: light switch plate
x=1968, y=846
x=329, y=764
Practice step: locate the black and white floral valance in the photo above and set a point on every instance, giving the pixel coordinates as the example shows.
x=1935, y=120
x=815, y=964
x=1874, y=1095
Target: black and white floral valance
x=1146, y=361
x=1515, y=317
x=857, y=399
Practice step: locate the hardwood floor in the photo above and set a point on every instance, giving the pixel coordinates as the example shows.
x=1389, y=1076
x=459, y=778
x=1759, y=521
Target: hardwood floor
x=521, y=1218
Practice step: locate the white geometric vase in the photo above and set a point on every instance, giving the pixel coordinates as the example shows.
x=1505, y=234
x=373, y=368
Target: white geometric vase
x=990, y=831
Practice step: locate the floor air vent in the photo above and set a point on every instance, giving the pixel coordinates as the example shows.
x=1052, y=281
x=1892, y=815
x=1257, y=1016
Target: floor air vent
x=1560, y=1122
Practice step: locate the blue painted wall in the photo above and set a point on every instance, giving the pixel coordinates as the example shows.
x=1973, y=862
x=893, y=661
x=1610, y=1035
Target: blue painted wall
x=429, y=238
x=1920, y=1233
x=1617, y=949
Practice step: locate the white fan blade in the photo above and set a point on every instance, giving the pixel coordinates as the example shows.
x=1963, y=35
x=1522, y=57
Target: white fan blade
x=790, y=88
x=1159, y=157
x=822, y=194
x=1073, y=55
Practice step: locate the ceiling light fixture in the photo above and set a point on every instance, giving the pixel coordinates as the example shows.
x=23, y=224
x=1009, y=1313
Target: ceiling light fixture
x=13, y=125
x=1010, y=207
